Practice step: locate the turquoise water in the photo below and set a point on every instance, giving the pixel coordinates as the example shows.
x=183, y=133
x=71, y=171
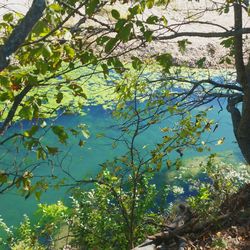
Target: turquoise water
x=85, y=161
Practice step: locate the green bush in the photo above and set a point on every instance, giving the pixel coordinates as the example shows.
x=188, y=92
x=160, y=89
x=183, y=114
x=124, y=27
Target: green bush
x=223, y=181
x=109, y=216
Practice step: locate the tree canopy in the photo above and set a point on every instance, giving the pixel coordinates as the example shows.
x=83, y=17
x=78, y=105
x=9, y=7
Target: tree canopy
x=49, y=54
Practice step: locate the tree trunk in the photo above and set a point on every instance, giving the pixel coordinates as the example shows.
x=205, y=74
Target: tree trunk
x=241, y=120
x=20, y=32
x=243, y=131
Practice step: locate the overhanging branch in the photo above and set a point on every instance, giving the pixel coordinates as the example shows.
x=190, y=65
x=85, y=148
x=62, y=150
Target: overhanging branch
x=18, y=99
x=21, y=31
x=204, y=34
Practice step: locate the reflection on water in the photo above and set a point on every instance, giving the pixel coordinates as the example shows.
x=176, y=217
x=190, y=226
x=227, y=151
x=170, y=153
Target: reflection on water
x=84, y=162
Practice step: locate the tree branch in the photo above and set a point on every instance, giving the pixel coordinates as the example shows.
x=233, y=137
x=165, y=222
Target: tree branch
x=60, y=25
x=204, y=34
x=10, y=137
x=20, y=32
x=18, y=99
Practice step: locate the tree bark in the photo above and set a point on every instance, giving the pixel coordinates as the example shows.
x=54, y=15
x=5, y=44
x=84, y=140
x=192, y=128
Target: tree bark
x=17, y=101
x=241, y=120
x=15, y=40
x=20, y=32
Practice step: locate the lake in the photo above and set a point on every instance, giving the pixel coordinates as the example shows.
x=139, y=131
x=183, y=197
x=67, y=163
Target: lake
x=84, y=161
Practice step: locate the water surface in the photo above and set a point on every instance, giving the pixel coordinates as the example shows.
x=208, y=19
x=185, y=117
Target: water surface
x=83, y=162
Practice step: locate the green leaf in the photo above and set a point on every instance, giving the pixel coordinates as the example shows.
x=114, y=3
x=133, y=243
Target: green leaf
x=26, y=112
x=148, y=35
x=226, y=8
x=165, y=21
x=182, y=44
x=136, y=63
x=32, y=131
x=59, y=97
x=8, y=95
x=178, y=164
x=46, y=52
x=199, y=149
x=74, y=132
x=40, y=154
x=120, y=24
x=115, y=14
x=91, y=7
x=103, y=39
x=60, y=132
x=31, y=143
x=125, y=32
x=52, y=150
x=38, y=195
x=228, y=60
x=105, y=69
x=40, y=27
x=56, y=7
x=135, y=10
x=227, y=43
x=3, y=178
x=152, y=19
x=100, y=135
x=200, y=62
x=87, y=57
x=110, y=44
x=119, y=67
x=8, y=17
x=166, y=61
x=42, y=66
x=4, y=81
x=69, y=51
x=78, y=91
x=150, y=4
x=81, y=143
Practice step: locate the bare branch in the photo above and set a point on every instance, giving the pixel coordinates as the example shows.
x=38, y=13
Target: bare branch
x=204, y=34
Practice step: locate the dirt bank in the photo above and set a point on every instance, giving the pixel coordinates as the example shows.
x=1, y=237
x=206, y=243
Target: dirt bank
x=182, y=16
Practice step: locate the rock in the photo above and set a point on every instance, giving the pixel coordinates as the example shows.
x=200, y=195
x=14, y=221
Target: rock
x=146, y=245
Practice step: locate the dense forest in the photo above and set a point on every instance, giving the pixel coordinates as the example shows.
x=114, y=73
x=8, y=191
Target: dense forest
x=124, y=124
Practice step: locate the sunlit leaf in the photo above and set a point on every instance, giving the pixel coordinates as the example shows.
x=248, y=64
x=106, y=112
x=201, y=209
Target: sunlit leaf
x=221, y=141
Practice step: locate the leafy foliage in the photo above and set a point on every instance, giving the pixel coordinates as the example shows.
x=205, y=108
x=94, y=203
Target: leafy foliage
x=102, y=216
x=222, y=183
x=38, y=236
x=51, y=74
